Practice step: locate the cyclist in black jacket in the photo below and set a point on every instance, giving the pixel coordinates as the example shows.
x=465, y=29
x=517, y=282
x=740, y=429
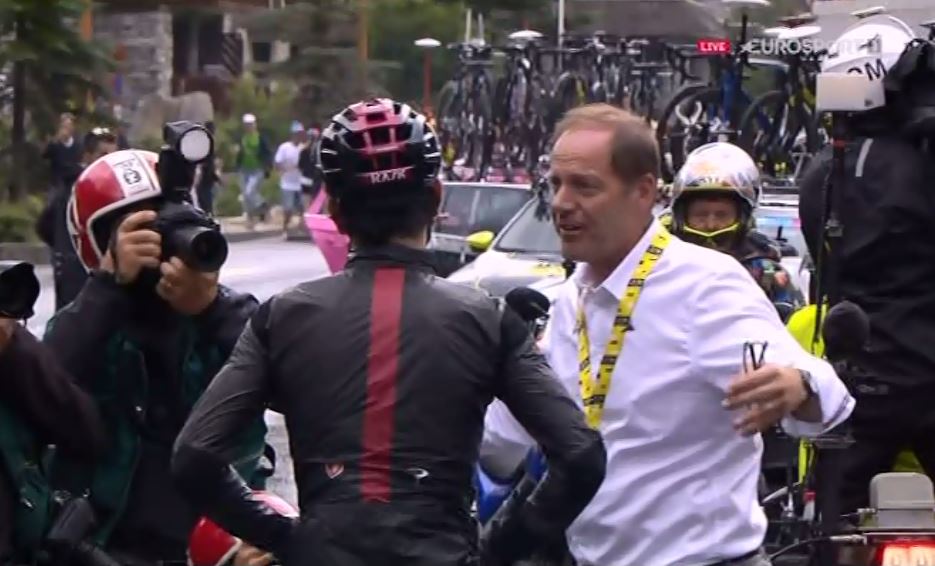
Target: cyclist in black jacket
x=384, y=372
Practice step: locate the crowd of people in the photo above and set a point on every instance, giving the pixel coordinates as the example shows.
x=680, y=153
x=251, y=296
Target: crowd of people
x=662, y=361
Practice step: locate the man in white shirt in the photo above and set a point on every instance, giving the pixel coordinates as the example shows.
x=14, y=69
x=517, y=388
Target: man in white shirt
x=290, y=176
x=678, y=411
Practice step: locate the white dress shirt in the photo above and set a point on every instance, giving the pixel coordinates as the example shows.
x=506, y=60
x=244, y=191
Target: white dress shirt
x=681, y=484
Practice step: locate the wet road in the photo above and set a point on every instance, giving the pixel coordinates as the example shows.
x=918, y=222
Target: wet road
x=263, y=268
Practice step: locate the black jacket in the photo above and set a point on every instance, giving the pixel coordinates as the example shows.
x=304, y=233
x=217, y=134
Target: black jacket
x=887, y=208
x=146, y=366
x=35, y=387
x=384, y=373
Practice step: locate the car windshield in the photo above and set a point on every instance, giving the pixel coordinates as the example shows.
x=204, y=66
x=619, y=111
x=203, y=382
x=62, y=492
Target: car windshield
x=469, y=208
x=530, y=233
x=769, y=221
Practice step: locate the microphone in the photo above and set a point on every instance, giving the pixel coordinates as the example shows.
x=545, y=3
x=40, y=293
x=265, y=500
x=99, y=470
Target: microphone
x=529, y=304
x=845, y=331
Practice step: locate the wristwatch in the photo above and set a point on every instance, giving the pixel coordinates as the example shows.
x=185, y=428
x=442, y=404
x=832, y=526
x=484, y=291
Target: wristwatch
x=808, y=381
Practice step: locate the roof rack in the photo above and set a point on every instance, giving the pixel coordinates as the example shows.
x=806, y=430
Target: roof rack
x=772, y=188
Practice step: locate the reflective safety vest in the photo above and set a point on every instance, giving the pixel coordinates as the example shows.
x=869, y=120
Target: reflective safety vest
x=802, y=327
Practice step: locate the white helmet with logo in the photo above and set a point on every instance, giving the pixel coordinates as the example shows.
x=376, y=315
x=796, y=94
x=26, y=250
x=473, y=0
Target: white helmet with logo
x=870, y=47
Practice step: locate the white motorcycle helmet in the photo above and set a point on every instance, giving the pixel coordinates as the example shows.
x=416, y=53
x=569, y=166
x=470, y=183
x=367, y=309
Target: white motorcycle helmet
x=869, y=47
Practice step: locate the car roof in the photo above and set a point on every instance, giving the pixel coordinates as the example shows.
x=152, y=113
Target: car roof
x=476, y=184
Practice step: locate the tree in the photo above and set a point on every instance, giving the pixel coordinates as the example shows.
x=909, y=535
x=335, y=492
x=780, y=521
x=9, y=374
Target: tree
x=488, y=6
x=52, y=69
x=396, y=24
x=325, y=63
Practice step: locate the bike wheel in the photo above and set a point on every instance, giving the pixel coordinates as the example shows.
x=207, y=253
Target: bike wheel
x=448, y=124
x=569, y=93
x=687, y=122
x=781, y=137
x=483, y=132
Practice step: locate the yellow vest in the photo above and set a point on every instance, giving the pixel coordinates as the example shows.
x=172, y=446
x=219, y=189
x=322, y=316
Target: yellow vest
x=802, y=327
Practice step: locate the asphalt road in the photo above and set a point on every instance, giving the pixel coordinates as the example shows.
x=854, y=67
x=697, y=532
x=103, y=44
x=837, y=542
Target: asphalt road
x=263, y=268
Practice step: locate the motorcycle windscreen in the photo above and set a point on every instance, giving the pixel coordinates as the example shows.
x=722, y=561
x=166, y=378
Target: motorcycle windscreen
x=333, y=244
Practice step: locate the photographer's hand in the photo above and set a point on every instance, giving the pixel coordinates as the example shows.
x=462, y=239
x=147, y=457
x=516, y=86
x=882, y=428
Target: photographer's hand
x=135, y=247
x=187, y=291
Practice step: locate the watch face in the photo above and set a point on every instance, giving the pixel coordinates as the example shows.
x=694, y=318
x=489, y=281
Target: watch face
x=809, y=382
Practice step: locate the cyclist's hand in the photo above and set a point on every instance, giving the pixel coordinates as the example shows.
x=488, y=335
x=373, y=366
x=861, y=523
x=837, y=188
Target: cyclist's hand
x=252, y=556
x=135, y=247
x=767, y=395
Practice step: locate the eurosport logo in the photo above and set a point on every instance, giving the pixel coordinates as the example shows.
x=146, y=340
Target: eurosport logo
x=771, y=46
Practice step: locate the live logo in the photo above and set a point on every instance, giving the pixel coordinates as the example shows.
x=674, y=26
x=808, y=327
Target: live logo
x=713, y=46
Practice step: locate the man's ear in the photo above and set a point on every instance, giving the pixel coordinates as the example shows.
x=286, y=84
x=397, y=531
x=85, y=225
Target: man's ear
x=437, y=189
x=647, y=187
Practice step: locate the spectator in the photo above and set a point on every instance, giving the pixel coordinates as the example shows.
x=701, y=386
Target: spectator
x=253, y=162
x=207, y=180
x=290, y=177
x=64, y=154
x=308, y=165
x=68, y=274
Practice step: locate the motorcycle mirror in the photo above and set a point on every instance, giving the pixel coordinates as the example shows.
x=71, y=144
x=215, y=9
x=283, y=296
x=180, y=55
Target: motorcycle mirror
x=529, y=304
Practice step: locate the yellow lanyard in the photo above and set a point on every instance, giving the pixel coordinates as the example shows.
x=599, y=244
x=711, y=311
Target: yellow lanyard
x=594, y=391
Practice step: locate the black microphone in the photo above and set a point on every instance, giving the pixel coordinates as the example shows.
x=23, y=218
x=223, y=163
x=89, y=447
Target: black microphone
x=19, y=290
x=845, y=331
x=529, y=304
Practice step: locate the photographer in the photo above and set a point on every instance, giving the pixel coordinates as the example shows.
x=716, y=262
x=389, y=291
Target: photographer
x=145, y=336
x=883, y=261
x=39, y=405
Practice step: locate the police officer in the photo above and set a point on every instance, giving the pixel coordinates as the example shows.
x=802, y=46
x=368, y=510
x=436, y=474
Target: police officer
x=713, y=199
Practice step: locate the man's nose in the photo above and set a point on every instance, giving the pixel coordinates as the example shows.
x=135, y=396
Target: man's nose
x=560, y=200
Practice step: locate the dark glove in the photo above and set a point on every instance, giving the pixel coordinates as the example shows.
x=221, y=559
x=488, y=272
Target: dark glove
x=507, y=537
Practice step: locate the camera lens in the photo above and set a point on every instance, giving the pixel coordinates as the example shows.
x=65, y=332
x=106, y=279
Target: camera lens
x=203, y=249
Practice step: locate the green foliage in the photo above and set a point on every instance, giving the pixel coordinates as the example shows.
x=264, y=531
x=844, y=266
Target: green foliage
x=227, y=200
x=273, y=109
x=487, y=6
x=392, y=37
x=18, y=220
x=61, y=67
x=60, y=70
x=325, y=64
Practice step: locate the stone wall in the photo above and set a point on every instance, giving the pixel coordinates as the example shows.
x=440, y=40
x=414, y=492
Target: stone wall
x=144, y=41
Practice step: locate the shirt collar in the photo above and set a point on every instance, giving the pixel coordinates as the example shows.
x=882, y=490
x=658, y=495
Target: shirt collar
x=393, y=255
x=616, y=283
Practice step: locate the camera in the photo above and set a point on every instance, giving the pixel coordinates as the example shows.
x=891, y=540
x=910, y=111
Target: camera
x=19, y=290
x=187, y=231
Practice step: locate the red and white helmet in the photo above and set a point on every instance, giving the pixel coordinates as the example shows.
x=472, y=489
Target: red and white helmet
x=109, y=185
x=210, y=545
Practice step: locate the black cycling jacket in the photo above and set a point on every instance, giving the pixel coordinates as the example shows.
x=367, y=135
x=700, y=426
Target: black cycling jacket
x=384, y=373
